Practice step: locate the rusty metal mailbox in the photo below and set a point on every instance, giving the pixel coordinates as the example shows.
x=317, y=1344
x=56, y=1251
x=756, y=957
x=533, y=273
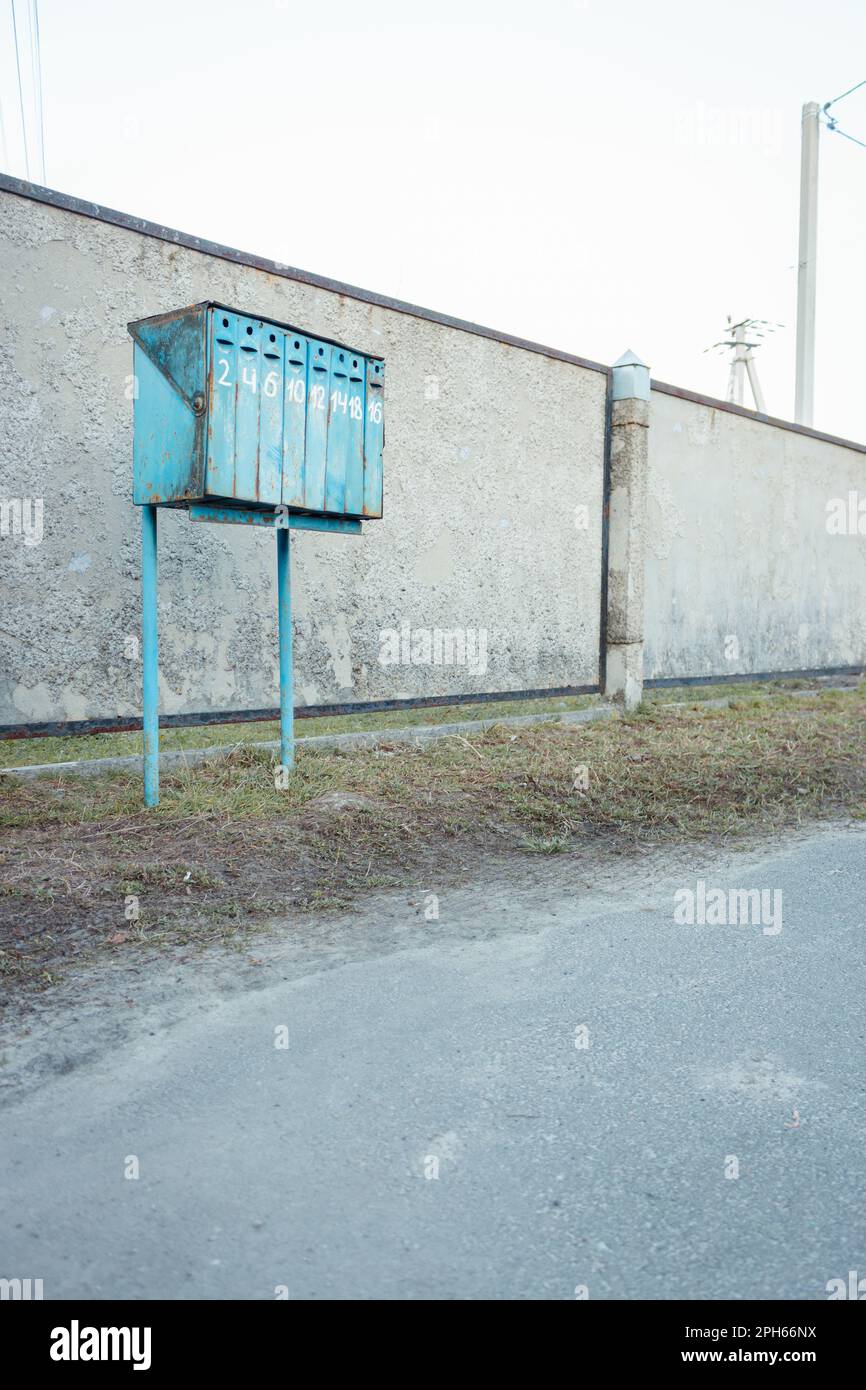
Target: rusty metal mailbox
x=248, y=412
x=244, y=419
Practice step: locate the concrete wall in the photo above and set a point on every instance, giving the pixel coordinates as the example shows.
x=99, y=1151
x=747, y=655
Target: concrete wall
x=489, y=449
x=491, y=446
x=737, y=546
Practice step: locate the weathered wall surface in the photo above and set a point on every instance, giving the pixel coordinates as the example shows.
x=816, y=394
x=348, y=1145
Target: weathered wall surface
x=489, y=449
x=737, y=547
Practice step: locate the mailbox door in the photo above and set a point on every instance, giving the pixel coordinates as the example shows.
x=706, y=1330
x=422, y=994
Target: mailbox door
x=222, y=382
x=374, y=437
x=249, y=383
x=294, y=419
x=338, y=431
x=270, y=480
x=318, y=395
x=354, y=504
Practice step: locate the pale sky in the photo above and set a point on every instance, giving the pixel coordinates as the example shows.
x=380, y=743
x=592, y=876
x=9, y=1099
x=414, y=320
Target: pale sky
x=591, y=175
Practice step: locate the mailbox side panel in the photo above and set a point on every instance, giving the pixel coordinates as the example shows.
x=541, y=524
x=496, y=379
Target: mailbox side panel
x=167, y=438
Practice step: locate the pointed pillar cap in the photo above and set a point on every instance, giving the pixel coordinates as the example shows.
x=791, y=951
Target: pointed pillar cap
x=631, y=378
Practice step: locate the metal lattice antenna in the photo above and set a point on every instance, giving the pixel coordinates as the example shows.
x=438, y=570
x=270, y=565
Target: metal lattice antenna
x=741, y=341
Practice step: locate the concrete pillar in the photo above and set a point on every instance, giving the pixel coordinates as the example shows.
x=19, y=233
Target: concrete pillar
x=629, y=445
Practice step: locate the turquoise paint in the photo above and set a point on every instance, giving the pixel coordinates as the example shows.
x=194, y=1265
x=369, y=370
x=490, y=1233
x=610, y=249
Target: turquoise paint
x=284, y=613
x=278, y=520
x=247, y=388
x=149, y=656
x=167, y=453
x=222, y=399
x=354, y=497
x=338, y=431
x=318, y=397
x=270, y=487
x=294, y=419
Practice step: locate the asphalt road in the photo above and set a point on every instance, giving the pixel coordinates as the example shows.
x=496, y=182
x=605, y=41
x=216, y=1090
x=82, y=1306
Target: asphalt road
x=434, y=1130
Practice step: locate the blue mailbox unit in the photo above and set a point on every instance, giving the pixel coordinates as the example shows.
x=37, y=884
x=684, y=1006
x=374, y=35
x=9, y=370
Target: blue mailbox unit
x=243, y=419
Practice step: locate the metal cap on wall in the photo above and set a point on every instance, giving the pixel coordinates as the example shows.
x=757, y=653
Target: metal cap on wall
x=631, y=378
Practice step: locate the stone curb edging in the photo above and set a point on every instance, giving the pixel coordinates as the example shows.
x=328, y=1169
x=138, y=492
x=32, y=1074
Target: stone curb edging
x=424, y=733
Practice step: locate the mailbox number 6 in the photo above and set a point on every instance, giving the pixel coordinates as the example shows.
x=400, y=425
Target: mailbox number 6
x=270, y=384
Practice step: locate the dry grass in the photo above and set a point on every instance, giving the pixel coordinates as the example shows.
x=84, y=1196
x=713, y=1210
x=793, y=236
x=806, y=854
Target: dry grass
x=225, y=850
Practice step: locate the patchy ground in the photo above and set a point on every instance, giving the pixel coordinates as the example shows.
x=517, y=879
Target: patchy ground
x=225, y=851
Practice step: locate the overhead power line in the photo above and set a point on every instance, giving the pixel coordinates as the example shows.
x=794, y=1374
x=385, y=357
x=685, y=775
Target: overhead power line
x=855, y=88
x=20, y=90
x=36, y=69
x=831, y=125
x=3, y=146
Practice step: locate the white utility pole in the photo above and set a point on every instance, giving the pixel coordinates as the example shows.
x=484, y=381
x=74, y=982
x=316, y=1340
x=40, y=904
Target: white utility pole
x=807, y=266
x=755, y=384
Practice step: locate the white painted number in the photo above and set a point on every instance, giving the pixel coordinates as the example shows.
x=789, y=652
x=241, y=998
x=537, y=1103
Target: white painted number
x=317, y=397
x=295, y=390
x=224, y=378
x=271, y=382
x=339, y=401
x=356, y=409
x=249, y=377
x=374, y=410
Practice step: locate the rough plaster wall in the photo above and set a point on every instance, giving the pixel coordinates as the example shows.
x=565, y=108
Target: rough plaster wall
x=481, y=484
x=737, y=546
